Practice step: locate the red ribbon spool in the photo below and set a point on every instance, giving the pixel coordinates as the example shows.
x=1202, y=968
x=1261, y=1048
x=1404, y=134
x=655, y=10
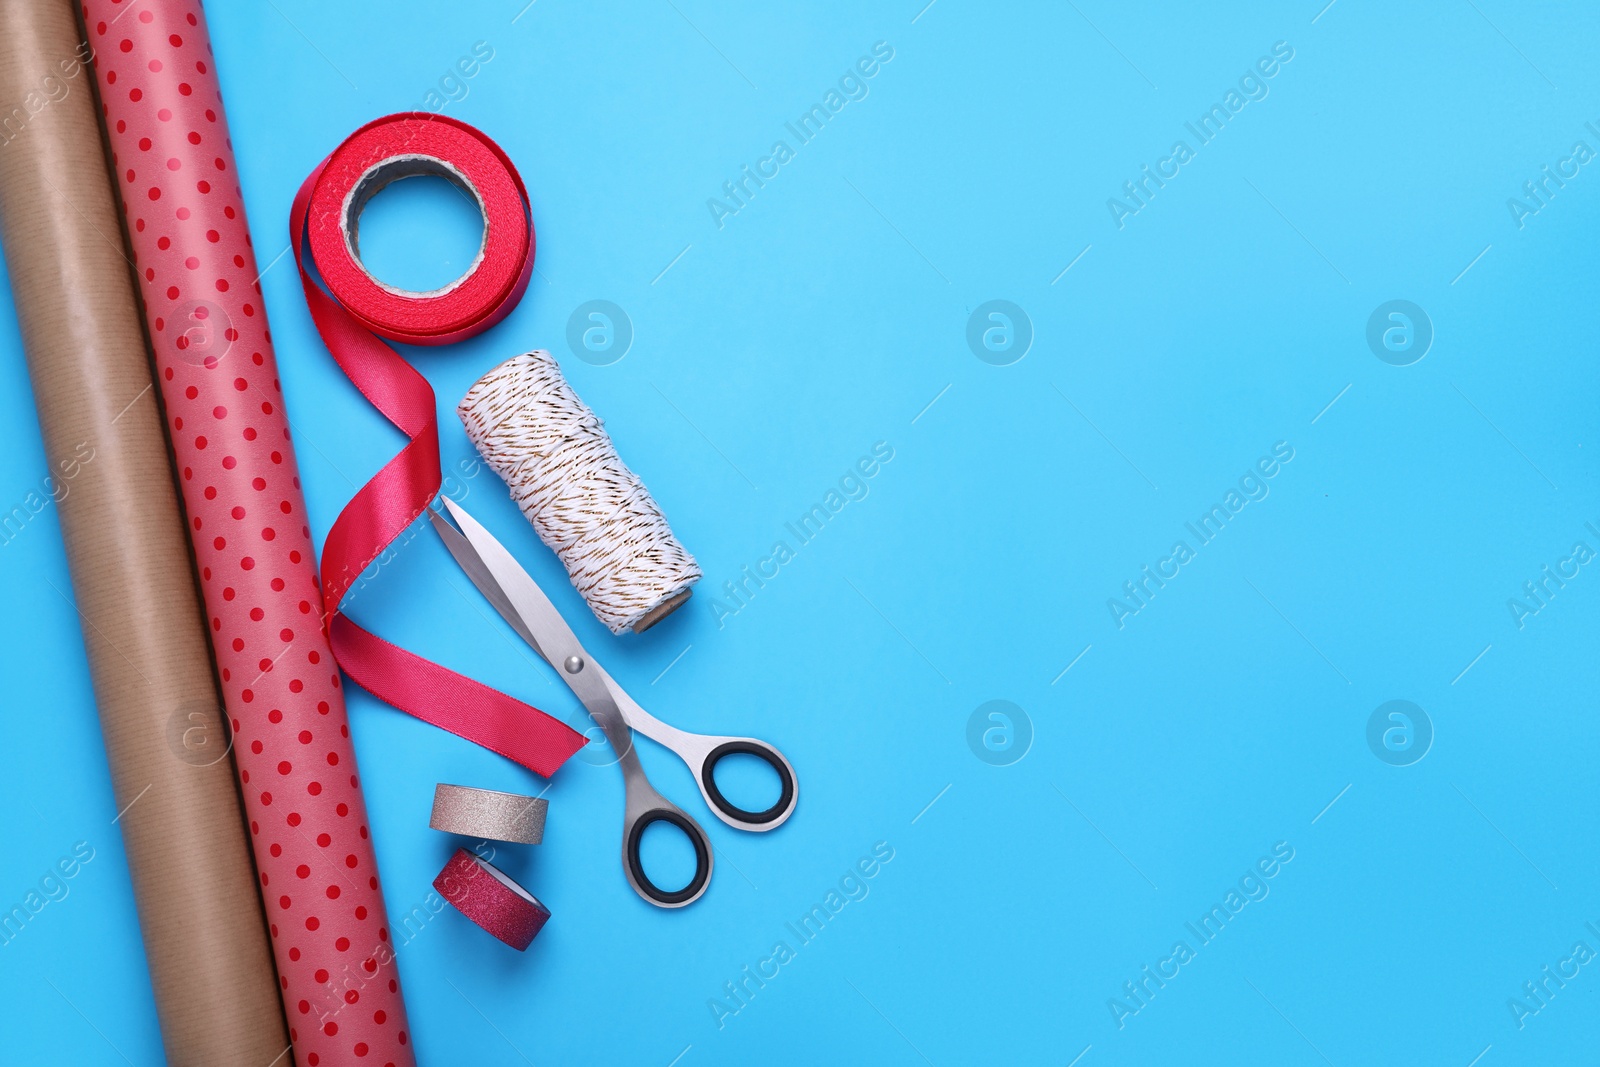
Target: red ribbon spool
x=326, y=215
x=401, y=146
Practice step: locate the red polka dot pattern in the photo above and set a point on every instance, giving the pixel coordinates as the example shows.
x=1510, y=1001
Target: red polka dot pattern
x=198, y=277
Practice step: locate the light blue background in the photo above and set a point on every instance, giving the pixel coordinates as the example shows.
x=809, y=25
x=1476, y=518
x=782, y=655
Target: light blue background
x=1227, y=716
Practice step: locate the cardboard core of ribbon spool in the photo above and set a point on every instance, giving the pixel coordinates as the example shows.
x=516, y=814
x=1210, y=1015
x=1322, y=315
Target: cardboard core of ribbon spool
x=385, y=173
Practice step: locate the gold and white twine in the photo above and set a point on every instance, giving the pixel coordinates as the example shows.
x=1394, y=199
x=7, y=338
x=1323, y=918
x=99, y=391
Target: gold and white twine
x=565, y=475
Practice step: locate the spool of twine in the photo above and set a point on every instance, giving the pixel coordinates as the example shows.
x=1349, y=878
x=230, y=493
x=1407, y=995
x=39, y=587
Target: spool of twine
x=564, y=473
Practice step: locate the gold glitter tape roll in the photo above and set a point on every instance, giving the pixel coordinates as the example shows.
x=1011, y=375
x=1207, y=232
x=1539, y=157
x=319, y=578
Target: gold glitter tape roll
x=461, y=809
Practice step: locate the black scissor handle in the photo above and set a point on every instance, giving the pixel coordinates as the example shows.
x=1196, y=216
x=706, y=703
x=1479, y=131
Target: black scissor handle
x=772, y=758
x=641, y=881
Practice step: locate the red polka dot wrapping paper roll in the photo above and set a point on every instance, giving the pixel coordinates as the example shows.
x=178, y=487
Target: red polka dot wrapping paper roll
x=231, y=442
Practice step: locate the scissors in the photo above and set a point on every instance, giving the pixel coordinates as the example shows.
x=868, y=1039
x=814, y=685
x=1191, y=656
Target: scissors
x=520, y=601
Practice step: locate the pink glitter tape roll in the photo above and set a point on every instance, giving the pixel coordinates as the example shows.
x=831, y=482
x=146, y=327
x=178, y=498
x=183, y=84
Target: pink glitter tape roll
x=481, y=892
x=197, y=272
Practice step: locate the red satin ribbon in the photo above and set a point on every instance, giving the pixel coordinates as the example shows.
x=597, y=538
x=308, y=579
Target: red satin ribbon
x=399, y=494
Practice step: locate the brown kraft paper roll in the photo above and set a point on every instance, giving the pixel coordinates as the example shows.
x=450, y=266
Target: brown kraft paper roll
x=149, y=658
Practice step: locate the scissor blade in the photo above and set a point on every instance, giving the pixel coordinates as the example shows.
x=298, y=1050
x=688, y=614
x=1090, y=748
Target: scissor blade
x=520, y=601
x=466, y=556
x=512, y=591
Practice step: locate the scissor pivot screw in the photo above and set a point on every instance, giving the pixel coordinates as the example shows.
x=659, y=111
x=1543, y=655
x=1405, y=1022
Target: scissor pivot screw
x=574, y=664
